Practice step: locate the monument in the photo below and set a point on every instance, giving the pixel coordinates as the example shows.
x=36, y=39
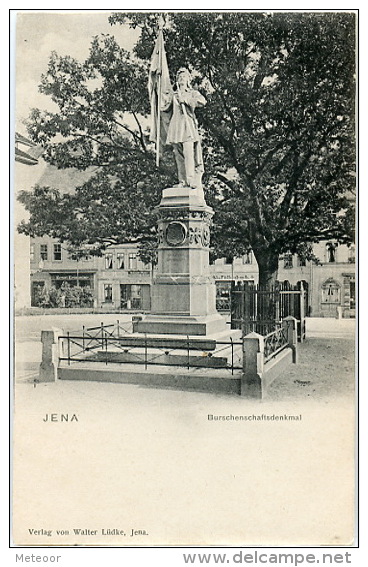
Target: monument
x=183, y=341
x=183, y=291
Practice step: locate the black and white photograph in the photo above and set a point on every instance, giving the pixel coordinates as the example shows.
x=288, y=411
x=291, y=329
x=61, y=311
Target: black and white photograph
x=185, y=280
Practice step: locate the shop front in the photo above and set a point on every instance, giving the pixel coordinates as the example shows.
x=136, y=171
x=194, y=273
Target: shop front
x=72, y=279
x=223, y=289
x=135, y=296
x=63, y=289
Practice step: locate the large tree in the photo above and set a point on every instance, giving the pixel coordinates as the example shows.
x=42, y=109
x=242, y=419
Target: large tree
x=278, y=132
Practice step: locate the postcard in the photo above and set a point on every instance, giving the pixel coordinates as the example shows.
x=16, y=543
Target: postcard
x=184, y=279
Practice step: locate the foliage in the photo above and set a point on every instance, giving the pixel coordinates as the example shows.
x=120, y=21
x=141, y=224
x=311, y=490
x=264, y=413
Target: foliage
x=278, y=132
x=65, y=296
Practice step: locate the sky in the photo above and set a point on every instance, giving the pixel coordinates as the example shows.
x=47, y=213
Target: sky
x=36, y=34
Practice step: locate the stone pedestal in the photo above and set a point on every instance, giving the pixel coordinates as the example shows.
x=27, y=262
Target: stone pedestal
x=183, y=291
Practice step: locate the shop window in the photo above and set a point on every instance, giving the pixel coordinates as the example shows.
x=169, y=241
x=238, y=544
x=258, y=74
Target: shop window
x=331, y=292
x=136, y=296
x=107, y=293
x=37, y=293
x=108, y=261
x=288, y=261
x=121, y=261
x=125, y=296
x=331, y=252
x=247, y=258
x=223, y=293
x=352, y=294
x=44, y=252
x=57, y=252
x=131, y=296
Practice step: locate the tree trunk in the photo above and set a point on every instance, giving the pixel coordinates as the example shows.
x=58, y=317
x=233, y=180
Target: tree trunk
x=268, y=265
x=267, y=300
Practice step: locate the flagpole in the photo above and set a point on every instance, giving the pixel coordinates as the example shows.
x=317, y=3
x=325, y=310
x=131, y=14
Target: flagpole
x=158, y=120
x=161, y=42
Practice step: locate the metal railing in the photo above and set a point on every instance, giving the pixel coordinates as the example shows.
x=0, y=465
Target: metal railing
x=274, y=343
x=115, y=344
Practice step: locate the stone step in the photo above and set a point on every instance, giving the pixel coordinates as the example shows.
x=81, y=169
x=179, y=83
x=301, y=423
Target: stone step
x=210, y=380
x=160, y=358
x=220, y=357
x=193, y=342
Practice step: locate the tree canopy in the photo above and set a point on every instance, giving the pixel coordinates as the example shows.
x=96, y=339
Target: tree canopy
x=278, y=132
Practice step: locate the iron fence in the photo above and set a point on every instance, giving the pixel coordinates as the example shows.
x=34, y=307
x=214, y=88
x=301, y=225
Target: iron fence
x=261, y=310
x=114, y=344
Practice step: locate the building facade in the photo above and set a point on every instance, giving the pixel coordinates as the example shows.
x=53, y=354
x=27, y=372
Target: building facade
x=28, y=168
x=119, y=280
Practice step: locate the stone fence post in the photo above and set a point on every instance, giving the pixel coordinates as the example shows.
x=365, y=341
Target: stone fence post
x=290, y=326
x=50, y=354
x=253, y=365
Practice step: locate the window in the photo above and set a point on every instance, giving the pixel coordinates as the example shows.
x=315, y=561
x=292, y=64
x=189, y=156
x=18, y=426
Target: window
x=136, y=300
x=229, y=260
x=132, y=262
x=352, y=294
x=301, y=261
x=223, y=293
x=131, y=296
x=107, y=293
x=32, y=252
x=57, y=252
x=121, y=261
x=108, y=261
x=43, y=252
x=37, y=293
x=288, y=261
x=331, y=252
x=247, y=258
x=330, y=292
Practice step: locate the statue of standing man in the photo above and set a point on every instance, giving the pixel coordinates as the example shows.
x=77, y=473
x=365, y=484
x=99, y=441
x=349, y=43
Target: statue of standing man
x=182, y=132
x=173, y=118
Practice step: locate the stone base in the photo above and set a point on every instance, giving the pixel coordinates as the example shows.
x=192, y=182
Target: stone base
x=183, y=196
x=181, y=325
x=222, y=350
x=205, y=364
x=216, y=381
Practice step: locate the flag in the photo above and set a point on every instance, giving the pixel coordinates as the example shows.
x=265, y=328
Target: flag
x=158, y=83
